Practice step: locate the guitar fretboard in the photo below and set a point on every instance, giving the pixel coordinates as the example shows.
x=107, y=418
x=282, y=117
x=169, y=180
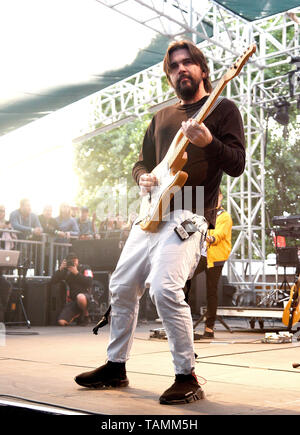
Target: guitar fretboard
x=180, y=142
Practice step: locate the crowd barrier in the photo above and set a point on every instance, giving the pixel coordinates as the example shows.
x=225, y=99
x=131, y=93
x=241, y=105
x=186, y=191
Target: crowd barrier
x=33, y=302
x=42, y=255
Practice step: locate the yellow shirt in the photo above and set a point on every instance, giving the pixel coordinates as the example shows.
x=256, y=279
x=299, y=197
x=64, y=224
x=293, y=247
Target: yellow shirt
x=220, y=249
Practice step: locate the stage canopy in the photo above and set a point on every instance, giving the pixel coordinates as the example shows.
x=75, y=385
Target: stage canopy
x=24, y=102
x=252, y=10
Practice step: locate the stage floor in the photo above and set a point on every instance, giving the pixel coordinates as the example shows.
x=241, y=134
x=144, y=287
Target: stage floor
x=241, y=375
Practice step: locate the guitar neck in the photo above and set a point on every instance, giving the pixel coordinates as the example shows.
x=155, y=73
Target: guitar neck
x=180, y=142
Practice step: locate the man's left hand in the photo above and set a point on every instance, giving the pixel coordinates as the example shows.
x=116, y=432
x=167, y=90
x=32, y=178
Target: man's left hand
x=197, y=134
x=210, y=239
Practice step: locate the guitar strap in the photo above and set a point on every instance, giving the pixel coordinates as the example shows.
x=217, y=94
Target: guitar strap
x=216, y=103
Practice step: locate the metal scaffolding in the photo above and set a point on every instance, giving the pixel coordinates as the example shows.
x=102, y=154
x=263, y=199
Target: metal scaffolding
x=224, y=36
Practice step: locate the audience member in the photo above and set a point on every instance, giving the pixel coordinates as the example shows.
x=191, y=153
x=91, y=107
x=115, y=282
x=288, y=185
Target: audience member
x=120, y=222
x=213, y=258
x=6, y=237
x=49, y=223
x=127, y=227
x=3, y=221
x=67, y=225
x=75, y=211
x=85, y=224
x=26, y=222
x=94, y=226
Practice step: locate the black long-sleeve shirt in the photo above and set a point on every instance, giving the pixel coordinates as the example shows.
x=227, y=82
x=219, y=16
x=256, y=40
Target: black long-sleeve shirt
x=205, y=166
x=77, y=283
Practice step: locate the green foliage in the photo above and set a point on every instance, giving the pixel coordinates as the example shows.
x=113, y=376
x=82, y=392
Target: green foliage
x=282, y=172
x=107, y=160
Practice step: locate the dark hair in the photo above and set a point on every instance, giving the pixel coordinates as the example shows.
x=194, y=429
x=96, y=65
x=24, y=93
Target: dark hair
x=196, y=55
x=71, y=256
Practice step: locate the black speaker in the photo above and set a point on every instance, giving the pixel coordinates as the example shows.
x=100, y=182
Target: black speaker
x=147, y=309
x=100, y=298
x=36, y=301
x=288, y=257
x=197, y=294
x=100, y=255
x=56, y=301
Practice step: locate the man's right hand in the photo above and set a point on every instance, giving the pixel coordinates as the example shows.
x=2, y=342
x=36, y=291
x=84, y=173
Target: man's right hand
x=146, y=182
x=37, y=231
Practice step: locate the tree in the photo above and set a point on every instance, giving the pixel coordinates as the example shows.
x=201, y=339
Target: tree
x=282, y=173
x=104, y=166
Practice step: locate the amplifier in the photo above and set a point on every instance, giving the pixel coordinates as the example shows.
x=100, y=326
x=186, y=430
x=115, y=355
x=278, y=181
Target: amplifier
x=147, y=309
x=36, y=301
x=56, y=301
x=100, y=255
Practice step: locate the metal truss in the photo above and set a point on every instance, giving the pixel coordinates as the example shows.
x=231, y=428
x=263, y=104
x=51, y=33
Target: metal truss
x=224, y=36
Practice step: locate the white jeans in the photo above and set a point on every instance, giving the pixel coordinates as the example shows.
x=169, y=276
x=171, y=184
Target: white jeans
x=162, y=262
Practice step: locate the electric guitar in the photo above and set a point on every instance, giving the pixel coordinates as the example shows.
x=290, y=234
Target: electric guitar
x=291, y=313
x=168, y=171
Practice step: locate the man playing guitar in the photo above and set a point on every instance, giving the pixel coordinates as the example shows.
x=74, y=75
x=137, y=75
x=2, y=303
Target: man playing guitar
x=160, y=260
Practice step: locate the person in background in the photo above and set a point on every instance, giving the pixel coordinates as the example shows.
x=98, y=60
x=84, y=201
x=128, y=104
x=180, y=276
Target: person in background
x=26, y=222
x=6, y=237
x=94, y=226
x=128, y=225
x=49, y=223
x=67, y=225
x=5, y=286
x=85, y=224
x=3, y=222
x=218, y=248
x=79, y=281
x=75, y=211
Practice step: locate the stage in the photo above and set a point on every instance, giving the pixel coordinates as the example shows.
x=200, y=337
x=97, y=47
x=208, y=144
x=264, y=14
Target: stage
x=241, y=375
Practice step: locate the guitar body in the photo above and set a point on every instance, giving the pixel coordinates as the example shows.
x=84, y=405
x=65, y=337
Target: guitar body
x=154, y=205
x=291, y=313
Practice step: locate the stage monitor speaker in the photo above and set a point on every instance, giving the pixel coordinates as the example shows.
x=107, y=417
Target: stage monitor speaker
x=147, y=310
x=288, y=257
x=56, y=301
x=197, y=294
x=100, y=255
x=36, y=301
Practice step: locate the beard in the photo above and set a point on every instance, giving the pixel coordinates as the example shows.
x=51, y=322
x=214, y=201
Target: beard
x=187, y=89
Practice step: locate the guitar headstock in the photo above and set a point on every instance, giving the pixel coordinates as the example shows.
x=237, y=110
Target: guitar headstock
x=235, y=69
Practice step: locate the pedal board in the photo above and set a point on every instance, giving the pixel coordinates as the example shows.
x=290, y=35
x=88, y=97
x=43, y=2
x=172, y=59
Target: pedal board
x=159, y=333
